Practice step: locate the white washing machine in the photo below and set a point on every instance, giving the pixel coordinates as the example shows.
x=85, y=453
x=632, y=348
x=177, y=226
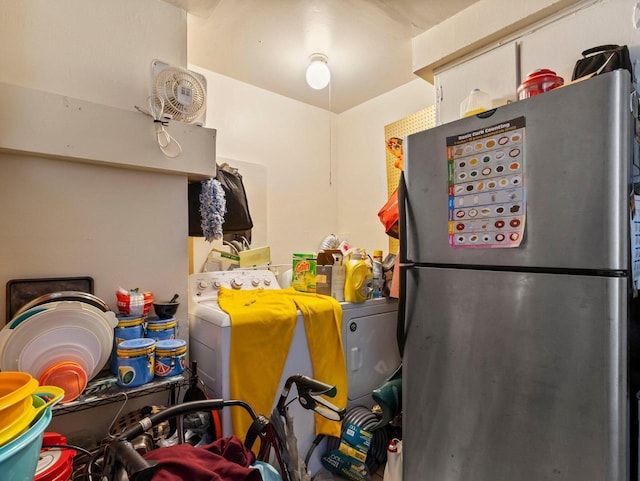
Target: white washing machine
x=368, y=335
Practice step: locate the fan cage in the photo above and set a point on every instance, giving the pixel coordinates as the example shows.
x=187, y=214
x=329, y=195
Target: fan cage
x=183, y=94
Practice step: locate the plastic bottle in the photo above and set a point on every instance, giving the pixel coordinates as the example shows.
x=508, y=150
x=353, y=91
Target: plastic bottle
x=377, y=274
x=358, y=276
x=477, y=102
x=393, y=468
x=338, y=277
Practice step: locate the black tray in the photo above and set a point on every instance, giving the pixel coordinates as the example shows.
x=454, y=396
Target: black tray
x=21, y=291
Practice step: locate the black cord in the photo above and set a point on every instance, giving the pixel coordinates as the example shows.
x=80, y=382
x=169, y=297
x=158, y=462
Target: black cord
x=93, y=461
x=68, y=446
x=312, y=448
x=92, y=458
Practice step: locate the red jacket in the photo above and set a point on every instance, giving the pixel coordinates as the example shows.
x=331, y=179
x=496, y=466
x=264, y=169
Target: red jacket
x=225, y=459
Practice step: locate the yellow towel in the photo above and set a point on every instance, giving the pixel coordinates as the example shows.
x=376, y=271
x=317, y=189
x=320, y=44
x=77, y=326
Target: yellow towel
x=262, y=327
x=323, y=325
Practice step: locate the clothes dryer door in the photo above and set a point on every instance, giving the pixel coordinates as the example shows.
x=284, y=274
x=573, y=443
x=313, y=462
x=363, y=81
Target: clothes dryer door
x=371, y=351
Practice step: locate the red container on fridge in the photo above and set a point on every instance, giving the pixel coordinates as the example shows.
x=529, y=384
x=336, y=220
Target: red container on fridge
x=538, y=82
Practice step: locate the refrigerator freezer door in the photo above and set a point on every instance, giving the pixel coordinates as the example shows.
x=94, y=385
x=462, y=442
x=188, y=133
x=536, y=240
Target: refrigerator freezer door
x=514, y=376
x=576, y=171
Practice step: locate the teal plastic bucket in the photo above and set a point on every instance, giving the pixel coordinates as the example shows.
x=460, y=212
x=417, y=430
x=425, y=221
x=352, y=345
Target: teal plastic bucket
x=19, y=458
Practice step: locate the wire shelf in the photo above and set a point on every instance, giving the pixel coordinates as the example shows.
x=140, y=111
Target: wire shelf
x=104, y=390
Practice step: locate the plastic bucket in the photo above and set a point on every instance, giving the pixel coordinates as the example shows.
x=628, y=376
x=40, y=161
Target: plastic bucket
x=16, y=389
x=136, y=362
x=43, y=398
x=162, y=329
x=19, y=458
x=54, y=464
x=129, y=327
x=171, y=357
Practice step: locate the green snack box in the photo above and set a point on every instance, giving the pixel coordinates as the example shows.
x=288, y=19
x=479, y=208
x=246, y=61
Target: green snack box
x=303, y=277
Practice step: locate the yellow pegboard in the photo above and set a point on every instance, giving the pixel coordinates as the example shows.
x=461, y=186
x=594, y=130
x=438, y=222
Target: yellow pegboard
x=421, y=120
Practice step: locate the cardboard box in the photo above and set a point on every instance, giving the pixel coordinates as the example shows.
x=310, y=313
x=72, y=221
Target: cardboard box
x=324, y=269
x=303, y=275
x=330, y=274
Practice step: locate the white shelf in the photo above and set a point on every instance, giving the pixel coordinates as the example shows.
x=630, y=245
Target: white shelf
x=45, y=124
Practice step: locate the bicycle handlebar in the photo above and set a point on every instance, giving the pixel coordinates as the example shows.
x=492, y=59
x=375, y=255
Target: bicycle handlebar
x=314, y=386
x=309, y=392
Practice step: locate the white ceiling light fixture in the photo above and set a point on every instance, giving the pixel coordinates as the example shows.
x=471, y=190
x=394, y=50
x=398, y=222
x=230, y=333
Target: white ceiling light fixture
x=318, y=73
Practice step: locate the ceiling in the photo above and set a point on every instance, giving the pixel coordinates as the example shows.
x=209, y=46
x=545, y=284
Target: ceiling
x=267, y=43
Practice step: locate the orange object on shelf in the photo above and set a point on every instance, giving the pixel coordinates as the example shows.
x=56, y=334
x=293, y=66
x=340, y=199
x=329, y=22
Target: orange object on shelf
x=67, y=375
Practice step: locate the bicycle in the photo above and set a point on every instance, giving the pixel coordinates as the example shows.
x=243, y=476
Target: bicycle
x=122, y=462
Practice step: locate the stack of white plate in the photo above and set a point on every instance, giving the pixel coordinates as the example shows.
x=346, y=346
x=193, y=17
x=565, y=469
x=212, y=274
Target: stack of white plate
x=55, y=331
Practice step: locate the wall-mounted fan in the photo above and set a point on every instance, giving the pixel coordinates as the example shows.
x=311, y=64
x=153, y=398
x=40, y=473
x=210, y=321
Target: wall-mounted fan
x=182, y=92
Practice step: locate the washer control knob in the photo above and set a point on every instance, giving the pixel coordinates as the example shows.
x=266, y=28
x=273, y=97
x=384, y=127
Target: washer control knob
x=202, y=285
x=267, y=281
x=255, y=282
x=236, y=283
x=217, y=284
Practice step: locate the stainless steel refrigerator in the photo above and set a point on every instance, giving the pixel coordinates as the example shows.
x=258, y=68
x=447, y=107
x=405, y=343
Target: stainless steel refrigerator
x=515, y=265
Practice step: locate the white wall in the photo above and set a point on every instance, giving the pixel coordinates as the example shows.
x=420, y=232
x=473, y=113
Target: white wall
x=91, y=50
x=291, y=139
x=362, y=178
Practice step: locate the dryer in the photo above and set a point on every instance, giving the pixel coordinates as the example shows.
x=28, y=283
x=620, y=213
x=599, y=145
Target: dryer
x=368, y=335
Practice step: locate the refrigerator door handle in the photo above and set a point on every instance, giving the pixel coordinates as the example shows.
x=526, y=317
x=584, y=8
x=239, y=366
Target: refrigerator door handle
x=402, y=219
x=404, y=264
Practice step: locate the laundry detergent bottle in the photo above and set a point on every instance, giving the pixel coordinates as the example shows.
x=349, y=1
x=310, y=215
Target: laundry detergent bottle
x=358, y=278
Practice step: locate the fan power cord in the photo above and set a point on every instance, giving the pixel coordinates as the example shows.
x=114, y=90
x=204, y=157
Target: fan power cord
x=168, y=145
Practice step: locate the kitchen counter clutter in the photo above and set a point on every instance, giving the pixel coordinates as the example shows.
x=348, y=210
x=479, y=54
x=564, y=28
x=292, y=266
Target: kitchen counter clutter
x=346, y=274
x=146, y=347
x=66, y=342
x=65, y=339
